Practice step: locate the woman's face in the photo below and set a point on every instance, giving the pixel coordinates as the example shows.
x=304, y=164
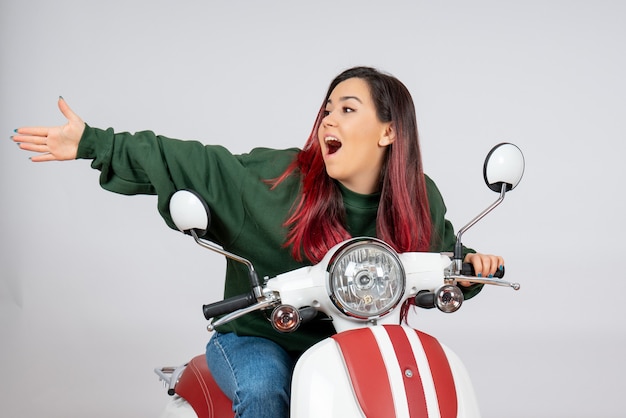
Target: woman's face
x=352, y=138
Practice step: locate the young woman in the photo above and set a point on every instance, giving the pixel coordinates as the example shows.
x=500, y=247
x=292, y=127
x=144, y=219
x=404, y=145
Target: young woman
x=359, y=174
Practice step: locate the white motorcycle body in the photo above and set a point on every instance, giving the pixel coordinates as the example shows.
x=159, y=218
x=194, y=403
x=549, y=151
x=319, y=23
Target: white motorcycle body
x=371, y=369
x=382, y=370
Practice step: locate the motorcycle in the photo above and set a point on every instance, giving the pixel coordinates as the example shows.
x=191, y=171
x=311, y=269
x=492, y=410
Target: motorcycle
x=375, y=365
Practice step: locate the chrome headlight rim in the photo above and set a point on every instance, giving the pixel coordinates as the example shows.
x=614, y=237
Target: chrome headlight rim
x=357, y=243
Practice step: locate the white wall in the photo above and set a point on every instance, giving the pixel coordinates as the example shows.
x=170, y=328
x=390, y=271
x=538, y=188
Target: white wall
x=95, y=291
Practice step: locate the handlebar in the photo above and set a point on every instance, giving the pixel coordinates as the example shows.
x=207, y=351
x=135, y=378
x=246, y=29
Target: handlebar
x=228, y=305
x=428, y=299
x=468, y=270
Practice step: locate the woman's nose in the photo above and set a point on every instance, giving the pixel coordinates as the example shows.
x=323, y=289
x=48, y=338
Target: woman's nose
x=329, y=120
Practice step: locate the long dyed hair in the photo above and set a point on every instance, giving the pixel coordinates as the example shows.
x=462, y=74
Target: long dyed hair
x=317, y=220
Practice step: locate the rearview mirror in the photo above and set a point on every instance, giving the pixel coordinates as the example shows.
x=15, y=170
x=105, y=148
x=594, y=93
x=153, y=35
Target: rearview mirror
x=190, y=212
x=504, y=164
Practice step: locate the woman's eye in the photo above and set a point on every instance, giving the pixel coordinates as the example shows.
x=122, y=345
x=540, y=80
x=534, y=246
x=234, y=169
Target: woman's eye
x=348, y=109
x=326, y=113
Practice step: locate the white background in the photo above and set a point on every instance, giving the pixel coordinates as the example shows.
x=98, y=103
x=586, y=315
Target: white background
x=95, y=291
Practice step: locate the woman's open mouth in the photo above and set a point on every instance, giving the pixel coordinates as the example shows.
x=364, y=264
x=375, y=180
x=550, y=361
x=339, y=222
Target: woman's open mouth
x=333, y=144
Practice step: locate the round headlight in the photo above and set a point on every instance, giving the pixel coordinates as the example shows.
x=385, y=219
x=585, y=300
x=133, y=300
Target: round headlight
x=365, y=278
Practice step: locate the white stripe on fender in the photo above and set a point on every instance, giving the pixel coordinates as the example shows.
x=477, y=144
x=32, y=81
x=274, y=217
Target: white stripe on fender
x=424, y=369
x=394, y=373
x=396, y=377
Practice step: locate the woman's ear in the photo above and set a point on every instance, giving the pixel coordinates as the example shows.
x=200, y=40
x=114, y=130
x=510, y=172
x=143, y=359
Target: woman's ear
x=389, y=135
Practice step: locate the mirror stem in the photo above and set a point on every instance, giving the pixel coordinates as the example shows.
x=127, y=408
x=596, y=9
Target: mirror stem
x=254, y=278
x=458, y=247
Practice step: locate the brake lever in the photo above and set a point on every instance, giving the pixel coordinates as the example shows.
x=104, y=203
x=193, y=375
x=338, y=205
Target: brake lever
x=474, y=279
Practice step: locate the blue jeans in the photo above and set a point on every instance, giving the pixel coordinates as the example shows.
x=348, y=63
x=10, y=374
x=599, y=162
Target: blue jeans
x=255, y=373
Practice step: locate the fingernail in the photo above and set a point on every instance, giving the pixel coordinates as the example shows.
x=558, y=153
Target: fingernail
x=15, y=130
x=61, y=98
x=480, y=275
x=500, y=267
x=490, y=276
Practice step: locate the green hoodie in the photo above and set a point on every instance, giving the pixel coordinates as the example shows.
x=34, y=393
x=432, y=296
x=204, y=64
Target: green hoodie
x=247, y=216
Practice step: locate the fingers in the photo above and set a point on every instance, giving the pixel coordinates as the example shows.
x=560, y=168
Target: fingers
x=485, y=265
x=34, y=144
x=33, y=131
x=30, y=138
x=40, y=158
x=67, y=112
x=26, y=146
x=42, y=150
x=34, y=139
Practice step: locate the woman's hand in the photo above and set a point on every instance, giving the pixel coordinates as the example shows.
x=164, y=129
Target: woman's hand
x=56, y=143
x=485, y=265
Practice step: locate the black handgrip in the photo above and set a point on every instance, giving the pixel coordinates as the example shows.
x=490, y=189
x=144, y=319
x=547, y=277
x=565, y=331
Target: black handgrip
x=228, y=305
x=468, y=270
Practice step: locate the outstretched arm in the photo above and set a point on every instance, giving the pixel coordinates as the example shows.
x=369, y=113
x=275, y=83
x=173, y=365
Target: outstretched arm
x=55, y=143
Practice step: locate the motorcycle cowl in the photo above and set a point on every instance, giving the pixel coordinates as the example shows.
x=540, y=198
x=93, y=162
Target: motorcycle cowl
x=382, y=371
